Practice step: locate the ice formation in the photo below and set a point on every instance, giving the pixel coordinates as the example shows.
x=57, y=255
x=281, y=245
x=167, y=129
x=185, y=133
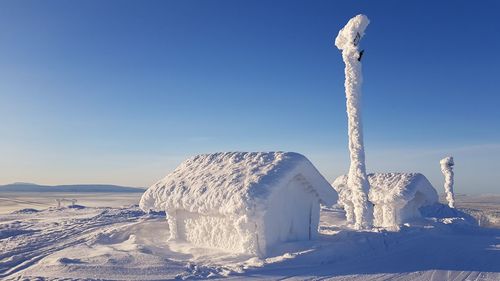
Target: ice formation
x=447, y=170
x=397, y=197
x=242, y=202
x=348, y=41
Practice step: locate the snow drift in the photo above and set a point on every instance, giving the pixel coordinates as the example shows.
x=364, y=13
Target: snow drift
x=396, y=197
x=348, y=41
x=242, y=202
x=447, y=170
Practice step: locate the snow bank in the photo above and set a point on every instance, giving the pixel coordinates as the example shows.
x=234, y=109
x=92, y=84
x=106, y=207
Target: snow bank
x=396, y=197
x=440, y=212
x=348, y=41
x=241, y=202
x=447, y=170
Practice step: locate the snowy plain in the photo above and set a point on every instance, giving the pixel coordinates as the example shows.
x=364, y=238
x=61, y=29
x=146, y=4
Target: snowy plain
x=112, y=239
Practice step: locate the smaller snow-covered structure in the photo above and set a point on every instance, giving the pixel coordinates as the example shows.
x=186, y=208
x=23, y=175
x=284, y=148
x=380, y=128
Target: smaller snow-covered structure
x=242, y=202
x=396, y=197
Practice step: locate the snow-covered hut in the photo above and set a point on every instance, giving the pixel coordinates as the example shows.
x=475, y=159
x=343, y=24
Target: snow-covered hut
x=242, y=202
x=396, y=197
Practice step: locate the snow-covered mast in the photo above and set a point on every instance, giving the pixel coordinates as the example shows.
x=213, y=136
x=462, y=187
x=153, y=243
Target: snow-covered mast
x=348, y=42
x=447, y=170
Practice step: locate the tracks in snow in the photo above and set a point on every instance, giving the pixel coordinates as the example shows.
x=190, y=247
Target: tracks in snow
x=21, y=251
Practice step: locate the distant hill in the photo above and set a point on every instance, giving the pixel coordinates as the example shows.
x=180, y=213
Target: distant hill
x=30, y=187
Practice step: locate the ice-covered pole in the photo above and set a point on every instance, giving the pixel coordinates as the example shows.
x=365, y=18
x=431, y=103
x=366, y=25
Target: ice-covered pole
x=447, y=170
x=348, y=42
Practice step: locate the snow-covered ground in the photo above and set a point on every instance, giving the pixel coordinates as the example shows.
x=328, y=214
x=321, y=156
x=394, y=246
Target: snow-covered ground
x=11, y=201
x=484, y=208
x=123, y=243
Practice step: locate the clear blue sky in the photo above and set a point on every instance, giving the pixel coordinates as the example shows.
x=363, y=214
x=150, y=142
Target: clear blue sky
x=122, y=91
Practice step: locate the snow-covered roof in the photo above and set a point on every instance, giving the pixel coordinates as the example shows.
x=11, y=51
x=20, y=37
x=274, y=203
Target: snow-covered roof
x=233, y=182
x=392, y=187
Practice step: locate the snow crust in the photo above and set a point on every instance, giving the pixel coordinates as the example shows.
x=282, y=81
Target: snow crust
x=447, y=170
x=348, y=41
x=242, y=202
x=396, y=197
x=127, y=244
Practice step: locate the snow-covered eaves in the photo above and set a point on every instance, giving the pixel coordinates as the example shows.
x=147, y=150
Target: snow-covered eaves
x=232, y=183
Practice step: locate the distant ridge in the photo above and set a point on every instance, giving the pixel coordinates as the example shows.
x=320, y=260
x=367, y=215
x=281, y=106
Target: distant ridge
x=31, y=187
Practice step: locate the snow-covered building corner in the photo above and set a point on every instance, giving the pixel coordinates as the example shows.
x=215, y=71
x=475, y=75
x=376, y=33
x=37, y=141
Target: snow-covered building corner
x=447, y=170
x=242, y=202
x=396, y=197
x=347, y=41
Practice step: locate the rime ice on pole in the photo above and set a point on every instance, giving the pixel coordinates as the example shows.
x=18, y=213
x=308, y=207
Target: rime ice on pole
x=348, y=42
x=447, y=170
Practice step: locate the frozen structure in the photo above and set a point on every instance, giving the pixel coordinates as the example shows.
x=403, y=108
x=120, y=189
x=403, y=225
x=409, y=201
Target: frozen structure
x=447, y=170
x=396, y=197
x=242, y=202
x=59, y=202
x=348, y=41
